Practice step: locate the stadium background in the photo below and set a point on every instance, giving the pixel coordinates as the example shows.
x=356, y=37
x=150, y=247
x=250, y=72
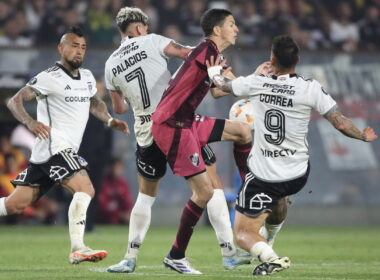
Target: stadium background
x=339, y=49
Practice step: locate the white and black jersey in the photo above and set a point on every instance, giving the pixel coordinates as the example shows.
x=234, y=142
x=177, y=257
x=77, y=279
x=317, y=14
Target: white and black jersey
x=63, y=103
x=138, y=68
x=282, y=109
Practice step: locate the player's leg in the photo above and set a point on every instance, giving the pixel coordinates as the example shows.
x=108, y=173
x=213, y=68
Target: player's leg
x=18, y=200
x=151, y=167
x=274, y=221
x=218, y=214
x=241, y=134
x=202, y=193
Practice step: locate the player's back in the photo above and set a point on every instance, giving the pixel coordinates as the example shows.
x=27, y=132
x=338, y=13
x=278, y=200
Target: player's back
x=282, y=108
x=187, y=88
x=138, y=68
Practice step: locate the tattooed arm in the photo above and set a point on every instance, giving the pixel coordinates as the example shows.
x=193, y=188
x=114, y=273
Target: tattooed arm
x=348, y=128
x=174, y=49
x=223, y=86
x=99, y=109
x=16, y=106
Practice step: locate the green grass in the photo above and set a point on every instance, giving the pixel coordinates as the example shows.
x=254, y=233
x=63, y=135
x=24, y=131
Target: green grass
x=316, y=253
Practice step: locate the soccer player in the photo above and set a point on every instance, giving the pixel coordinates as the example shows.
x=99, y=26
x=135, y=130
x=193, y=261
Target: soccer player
x=137, y=72
x=279, y=160
x=180, y=136
x=65, y=94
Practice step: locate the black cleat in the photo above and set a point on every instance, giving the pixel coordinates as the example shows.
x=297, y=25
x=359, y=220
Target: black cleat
x=267, y=268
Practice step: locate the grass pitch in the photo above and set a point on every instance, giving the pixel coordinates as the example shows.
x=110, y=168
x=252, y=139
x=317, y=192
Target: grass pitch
x=316, y=253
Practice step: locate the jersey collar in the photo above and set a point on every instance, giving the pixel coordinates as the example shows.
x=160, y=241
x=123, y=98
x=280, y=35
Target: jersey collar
x=211, y=42
x=292, y=75
x=67, y=72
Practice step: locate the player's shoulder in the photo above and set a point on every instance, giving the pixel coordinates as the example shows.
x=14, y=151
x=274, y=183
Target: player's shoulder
x=84, y=72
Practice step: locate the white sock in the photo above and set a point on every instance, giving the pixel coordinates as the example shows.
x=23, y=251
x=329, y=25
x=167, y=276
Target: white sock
x=263, y=252
x=220, y=220
x=139, y=223
x=272, y=231
x=3, y=210
x=77, y=219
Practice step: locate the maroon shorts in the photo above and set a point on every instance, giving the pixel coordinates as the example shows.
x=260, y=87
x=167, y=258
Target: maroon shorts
x=182, y=146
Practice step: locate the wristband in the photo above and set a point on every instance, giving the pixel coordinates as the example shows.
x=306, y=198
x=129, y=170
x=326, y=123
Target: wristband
x=109, y=121
x=214, y=70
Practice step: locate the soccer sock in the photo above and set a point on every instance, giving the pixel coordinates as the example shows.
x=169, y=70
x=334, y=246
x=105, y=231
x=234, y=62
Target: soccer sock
x=263, y=252
x=139, y=224
x=272, y=231
x=3, y=210
x=77, y=219
x=241, y=153
x=190, y=216
x=220, y=220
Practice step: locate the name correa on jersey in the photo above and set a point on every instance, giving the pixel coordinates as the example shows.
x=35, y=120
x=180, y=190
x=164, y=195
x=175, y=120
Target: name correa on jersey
x=282, y=108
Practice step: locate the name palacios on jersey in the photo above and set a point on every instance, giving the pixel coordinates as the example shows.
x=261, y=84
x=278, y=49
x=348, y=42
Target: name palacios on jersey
x=130, y=61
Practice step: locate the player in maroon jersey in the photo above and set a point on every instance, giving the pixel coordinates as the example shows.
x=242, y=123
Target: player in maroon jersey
x=180, y=135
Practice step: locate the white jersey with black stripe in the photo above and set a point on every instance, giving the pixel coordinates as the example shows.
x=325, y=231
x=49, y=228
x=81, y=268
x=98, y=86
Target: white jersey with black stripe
x=138, y=68
x=282, y=109
x=63, y=103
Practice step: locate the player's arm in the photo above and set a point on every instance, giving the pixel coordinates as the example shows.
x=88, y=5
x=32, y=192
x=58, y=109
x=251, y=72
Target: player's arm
x=119, y=104
x=99, y=109
x=222, y=80
x=174, y=49
x=348, y=128
x=16, y=106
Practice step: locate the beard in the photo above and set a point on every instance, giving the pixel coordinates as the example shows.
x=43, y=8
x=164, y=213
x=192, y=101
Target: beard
x=74, y=65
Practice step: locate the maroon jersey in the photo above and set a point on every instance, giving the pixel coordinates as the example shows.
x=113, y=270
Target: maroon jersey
x=187, y=88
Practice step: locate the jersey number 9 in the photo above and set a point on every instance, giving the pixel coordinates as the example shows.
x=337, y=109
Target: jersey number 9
x=275, y=122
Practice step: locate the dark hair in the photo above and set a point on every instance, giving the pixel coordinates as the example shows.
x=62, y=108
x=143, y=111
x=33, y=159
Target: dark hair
x=76, y=30
x=285, y=50
x=212, y=18
x=128, y=15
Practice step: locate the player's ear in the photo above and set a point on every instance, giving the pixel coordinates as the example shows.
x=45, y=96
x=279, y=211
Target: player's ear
x=60, y=48
x=298, y=59
x=216, y=30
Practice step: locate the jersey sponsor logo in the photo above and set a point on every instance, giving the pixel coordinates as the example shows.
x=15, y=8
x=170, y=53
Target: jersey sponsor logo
x=259, y=201
x=67, y=87
x=51, y=69
x=57, y=173
x=285, y=89
x=194, y=158
x=130, y=61
x=276, y=100
x=22, y=175
x=145, y=119
x=278, y=153
x=77, y=99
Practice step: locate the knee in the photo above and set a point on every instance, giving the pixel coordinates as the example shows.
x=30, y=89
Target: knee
x=88, y=189
x=16, y=208
x=239, y=238
x=205, y=194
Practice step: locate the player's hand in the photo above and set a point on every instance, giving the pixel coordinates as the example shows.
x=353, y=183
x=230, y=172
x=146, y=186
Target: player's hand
x=264, y=68
x=216, y=62
x=39, y=129
x=369, y=135
x=227, y=73
x=120, y=125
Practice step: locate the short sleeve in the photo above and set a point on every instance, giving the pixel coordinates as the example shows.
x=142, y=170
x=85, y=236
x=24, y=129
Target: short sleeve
x=94, y=89
x=161, y=43
x=321, y=99
x=108, y=77
x=41, y=84
x=247, y=86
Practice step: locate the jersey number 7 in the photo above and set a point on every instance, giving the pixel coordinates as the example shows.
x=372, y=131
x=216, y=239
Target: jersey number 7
x=138, y=74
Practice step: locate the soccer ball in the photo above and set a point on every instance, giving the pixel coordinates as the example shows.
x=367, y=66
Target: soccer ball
x=242, y=111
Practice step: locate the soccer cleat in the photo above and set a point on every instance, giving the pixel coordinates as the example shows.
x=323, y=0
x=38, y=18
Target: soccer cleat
x=181, y=266
x=240, y=257
x=87, y=255
x=125, y=266
x=267, y=268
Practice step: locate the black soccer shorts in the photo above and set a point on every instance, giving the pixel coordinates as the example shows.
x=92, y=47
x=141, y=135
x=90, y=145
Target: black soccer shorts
x=151, y=162
x=256, y=196
x=44, y=176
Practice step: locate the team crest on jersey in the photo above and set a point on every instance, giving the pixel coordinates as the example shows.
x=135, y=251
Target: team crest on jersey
x=82, y=161
x=89, y=84
x=194, y=158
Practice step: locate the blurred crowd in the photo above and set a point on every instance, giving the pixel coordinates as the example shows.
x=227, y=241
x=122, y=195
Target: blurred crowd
x=346, y=25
